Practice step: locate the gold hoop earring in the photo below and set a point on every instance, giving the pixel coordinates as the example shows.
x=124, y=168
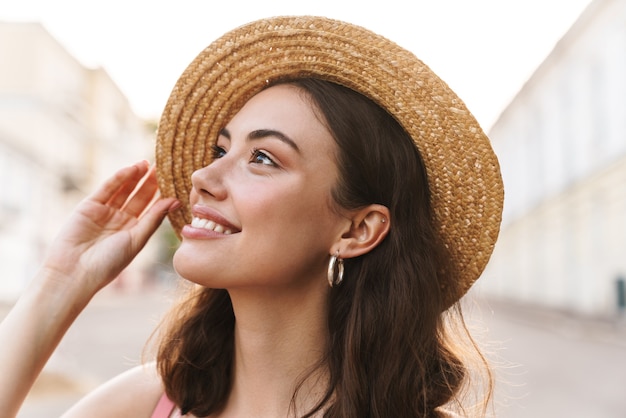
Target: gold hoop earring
x=338, y=262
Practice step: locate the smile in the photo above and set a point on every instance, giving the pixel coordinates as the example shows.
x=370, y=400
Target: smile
x=210, y=225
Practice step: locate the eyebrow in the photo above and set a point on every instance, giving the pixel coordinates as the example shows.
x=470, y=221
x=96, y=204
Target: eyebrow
x=264, y=133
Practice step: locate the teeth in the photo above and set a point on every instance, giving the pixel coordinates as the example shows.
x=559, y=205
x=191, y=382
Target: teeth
x=210, y=225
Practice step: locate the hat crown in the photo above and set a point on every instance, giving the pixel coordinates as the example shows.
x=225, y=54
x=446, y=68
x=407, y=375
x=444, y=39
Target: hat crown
x=463, y=172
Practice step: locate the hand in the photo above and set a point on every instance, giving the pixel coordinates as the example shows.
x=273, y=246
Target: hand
x=107, y=230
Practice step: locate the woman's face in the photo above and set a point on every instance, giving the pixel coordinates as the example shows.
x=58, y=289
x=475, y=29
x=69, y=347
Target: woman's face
x=262, y=210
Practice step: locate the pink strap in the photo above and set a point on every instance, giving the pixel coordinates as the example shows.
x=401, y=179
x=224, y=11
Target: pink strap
x=164, y=408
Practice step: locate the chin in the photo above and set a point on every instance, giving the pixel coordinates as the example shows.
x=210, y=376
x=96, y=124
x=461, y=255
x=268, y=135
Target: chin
x=201, y=270
x=186, y=266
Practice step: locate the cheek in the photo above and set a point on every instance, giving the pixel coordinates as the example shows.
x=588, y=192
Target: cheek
x=290, y=206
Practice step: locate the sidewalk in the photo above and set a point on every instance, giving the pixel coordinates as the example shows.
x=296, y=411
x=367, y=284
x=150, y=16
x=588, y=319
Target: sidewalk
x=108, y=338
x=555, y=364
x=610, y=331
x=547, y=363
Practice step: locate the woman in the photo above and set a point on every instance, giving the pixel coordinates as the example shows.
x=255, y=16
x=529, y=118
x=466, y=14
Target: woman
x=334, y=198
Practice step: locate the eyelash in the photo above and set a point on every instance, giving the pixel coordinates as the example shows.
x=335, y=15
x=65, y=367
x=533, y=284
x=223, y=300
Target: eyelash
x=255, y=152
x=218, y=152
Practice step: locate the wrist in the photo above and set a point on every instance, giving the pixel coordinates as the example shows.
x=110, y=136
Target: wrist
x=59, y=292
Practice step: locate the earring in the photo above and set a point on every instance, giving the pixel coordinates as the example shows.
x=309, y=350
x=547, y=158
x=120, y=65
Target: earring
x=335, y=260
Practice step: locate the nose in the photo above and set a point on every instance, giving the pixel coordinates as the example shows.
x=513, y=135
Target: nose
x=209, y=180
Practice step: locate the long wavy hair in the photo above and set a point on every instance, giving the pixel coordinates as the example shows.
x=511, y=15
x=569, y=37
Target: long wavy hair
x=389, y=351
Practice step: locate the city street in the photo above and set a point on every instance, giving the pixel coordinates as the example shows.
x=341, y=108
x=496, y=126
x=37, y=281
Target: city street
x=554, y=365
x=548, y=364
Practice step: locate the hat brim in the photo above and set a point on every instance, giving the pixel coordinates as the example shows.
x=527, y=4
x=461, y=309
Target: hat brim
x=463, y=172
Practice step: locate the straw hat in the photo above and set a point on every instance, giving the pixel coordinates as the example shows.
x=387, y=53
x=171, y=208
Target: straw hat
x=463, y=172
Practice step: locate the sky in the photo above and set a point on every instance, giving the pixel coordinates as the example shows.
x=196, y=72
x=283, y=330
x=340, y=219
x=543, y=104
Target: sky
x=484, y=49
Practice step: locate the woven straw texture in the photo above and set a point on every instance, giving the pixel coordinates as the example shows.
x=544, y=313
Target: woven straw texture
x=463, y=172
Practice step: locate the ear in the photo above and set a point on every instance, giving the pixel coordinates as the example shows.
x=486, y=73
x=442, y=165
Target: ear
x=368, y=227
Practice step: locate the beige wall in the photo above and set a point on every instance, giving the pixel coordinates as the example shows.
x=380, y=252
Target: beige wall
x=562, y=148
x=63, y=128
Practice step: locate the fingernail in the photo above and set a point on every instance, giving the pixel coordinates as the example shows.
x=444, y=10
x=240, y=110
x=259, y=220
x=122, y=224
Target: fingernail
x=175, y=205
x=141, y=164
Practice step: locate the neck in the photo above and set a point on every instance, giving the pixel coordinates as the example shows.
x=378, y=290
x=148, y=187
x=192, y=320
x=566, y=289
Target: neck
x=280, y=338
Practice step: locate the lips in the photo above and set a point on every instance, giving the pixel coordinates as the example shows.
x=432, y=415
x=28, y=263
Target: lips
x=209, y=219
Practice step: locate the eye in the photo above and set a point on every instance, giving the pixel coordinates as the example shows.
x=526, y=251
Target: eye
x=259, y=157
x=217, y=152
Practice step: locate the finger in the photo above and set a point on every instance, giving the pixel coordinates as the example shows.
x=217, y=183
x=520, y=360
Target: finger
x=143, y=194
x=116, y=183
x=150, y=221
x=126, y=189
x=120, y=197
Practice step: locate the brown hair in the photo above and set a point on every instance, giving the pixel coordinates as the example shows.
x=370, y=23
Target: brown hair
x=388, y=352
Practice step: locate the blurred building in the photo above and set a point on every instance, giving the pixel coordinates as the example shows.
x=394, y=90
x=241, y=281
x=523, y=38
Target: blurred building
x=63, y=128
x=562, y=148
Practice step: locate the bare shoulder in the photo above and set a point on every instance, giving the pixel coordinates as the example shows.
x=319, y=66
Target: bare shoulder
x=134, y=393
